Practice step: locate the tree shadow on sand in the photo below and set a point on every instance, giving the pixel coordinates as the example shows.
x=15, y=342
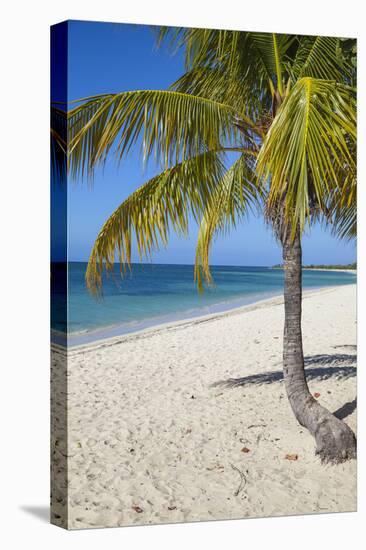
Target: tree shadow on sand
x=317, y=367
x=346, y=409
x=322, y=367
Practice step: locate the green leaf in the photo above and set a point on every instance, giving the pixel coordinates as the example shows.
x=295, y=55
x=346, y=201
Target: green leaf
x=318, y=57
x=238, y=192
x=173, y=126
x=310, y=141
x=163, y=203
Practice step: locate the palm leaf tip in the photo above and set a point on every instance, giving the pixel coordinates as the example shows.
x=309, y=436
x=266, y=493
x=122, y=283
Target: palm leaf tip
x=165, y=202
x=238, y=192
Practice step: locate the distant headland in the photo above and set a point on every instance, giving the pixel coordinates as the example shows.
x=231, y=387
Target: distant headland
x=352, y=266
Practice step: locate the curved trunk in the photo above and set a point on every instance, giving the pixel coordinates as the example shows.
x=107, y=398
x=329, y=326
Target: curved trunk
x=335, y=441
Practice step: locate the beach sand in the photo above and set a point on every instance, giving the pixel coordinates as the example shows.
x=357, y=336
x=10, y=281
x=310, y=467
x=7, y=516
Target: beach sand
x=191, y=422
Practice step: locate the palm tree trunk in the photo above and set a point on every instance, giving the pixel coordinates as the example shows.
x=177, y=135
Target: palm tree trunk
x=335, y=441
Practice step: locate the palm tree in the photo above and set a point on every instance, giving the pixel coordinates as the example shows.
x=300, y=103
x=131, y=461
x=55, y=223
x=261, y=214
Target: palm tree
x=286, y=107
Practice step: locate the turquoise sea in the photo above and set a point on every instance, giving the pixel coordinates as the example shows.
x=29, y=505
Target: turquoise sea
x=155, y=293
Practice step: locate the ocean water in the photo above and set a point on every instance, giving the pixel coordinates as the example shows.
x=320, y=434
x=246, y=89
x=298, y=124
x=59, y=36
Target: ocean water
x=156, y=293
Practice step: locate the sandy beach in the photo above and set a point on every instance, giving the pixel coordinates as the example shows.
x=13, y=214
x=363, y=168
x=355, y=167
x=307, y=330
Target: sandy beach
x=351, y=271
x=191, y=422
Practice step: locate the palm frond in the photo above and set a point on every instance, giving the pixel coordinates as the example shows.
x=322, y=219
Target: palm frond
x=204, y=47
x=233, y=89
x=343, y=208
x=272, y=51
x=165, y=202
x=254, y=58
x=238, y=192
x=308, y=145
x=282, y=95
x=173, y=126
x=318, y=57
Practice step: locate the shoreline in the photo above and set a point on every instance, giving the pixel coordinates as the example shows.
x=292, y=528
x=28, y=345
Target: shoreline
x=181, y=323
x=335, y=270
x=351, y=271
x=95, y=336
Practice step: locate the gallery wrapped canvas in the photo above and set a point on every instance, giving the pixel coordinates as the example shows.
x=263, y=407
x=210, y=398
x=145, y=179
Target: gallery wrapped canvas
x=203, y=274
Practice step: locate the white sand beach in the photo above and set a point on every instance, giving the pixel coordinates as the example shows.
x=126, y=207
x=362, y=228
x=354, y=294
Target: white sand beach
x=191, y=422
x=351, y=271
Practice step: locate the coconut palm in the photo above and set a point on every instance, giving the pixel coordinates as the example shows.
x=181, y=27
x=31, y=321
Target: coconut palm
x=286, y=107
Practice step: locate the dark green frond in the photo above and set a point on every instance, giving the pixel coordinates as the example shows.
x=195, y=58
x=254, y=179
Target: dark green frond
x=234, y=90
x=343, y=208
x=272, y=51
x=247, y=57
x=204, y=47
x=318, y=57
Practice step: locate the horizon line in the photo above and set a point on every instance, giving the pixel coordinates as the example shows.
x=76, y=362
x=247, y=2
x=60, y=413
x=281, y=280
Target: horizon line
x=212, y=265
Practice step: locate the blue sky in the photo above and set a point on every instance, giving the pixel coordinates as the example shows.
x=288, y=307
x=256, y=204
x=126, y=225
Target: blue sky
x=109, y=57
